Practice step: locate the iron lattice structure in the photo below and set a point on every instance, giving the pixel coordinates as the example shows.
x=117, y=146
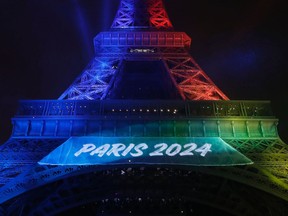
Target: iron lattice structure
x=142, y=14
x=129, y=40
x=99, y=104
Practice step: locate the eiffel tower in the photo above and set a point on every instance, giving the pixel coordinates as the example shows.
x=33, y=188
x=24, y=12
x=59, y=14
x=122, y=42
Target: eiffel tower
x=143, y=131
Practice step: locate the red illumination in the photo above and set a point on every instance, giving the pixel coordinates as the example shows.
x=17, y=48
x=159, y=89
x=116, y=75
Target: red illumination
x=158, y=15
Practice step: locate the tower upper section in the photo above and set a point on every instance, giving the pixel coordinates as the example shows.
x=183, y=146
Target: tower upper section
x=142, y=14
x=142, y=57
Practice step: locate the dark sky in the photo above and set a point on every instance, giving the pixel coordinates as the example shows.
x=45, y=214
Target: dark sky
x=240, y=44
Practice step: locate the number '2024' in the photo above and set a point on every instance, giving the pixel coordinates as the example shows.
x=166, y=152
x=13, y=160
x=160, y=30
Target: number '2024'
x=161, y=149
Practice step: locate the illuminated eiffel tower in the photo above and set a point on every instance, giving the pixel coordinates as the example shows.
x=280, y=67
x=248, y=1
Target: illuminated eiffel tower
x=143, y=131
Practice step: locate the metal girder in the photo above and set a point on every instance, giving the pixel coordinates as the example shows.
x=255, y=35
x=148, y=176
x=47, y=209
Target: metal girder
x=94, y=81
x=141, y=14
x=159, y=17
x=192, y=81
x=19, y=155
x=264, y=146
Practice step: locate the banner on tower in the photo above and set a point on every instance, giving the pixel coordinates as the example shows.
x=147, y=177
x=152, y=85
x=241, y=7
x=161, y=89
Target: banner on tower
x=197, y=151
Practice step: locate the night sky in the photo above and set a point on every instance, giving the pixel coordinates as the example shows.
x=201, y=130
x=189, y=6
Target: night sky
x=240, y=44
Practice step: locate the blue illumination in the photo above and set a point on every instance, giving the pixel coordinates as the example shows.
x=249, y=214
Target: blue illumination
x=83, y=28
x=197, y=151
x=106, y=12
x=245, y=59
x=241, y=60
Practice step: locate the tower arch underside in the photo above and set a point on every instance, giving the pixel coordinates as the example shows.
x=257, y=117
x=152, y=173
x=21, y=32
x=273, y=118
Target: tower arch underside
x=106, y=189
